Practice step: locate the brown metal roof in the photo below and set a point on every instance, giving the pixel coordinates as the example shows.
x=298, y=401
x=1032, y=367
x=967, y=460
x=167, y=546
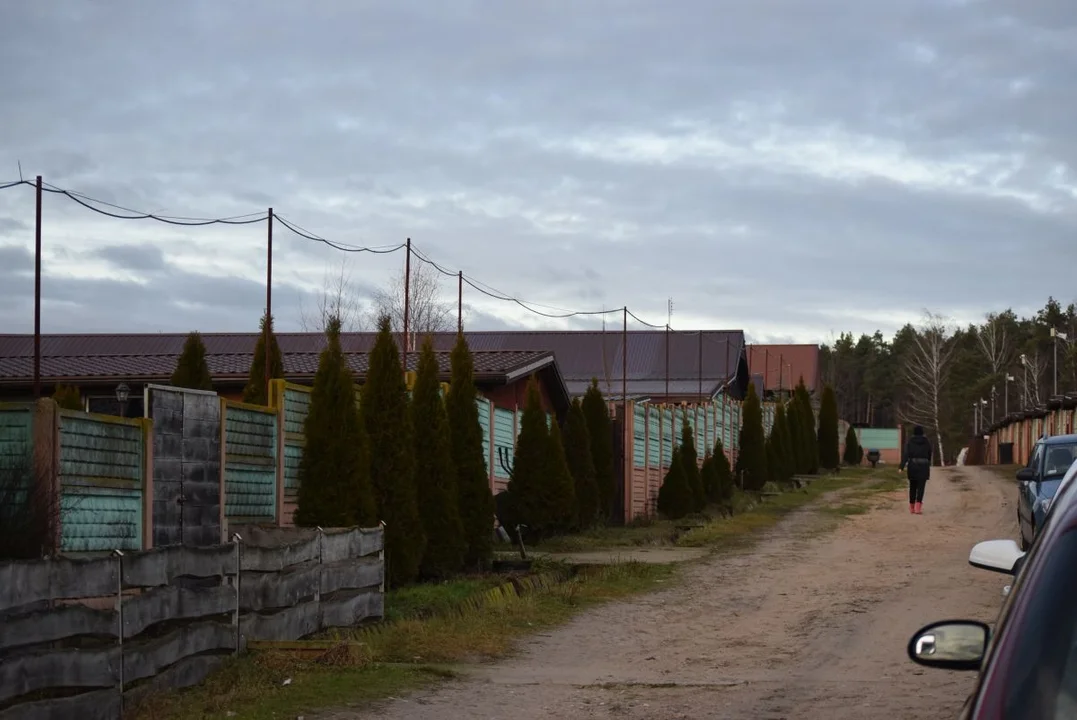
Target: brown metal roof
x=580, y=355
x=782, y=366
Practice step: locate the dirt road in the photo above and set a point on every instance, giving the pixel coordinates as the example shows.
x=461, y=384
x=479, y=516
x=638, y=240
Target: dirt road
x=807, y=625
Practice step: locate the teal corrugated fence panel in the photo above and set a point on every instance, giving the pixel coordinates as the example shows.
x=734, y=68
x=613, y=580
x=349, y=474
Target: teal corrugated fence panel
x=639, y=435
x=879, y=438
x=296, y=407
x=16, y=448
x=667, y=437
x=504, y=439
x=654, y=444
x=700, y=425
x=250, y=463
x=484, y=422
x=101, y=481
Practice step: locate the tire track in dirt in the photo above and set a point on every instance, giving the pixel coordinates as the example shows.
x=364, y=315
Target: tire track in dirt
x=805, y=625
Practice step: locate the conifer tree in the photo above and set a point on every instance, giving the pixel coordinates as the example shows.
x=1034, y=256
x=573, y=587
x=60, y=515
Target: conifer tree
x=690, y=460
x=386, y=416
x=334, y=470
x=476, y=501
x=435, y=474
x=530, y=467
x=600, y=431
x=787, y=459
x=559, y=487
x=794, y=422
x=853, y=454
x=723, y=477
x=828, y=430
x=809, y=441
x=256, y=391
x=753, y=450
x=67, y=397
x=581, y=464
x=191, y=370
x=675, y=499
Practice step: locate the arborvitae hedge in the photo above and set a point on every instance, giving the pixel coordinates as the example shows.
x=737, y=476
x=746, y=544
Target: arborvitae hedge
x=690, y=458
x=828, y=430
x=334, y=470
x=853, y=454
x=191, y=369
x=600, y=430
x=581, y=464
x=527, y=500
x=256, y=391
x=476, y=502
x=752, y=460
x=675, y=498
x=783, y=445
x=723, y=477
x=68, y=397
x=773, y=470
x=559, y=487
x=435, y=474
x=385, y=413
x=793, y=422
x=810, y=440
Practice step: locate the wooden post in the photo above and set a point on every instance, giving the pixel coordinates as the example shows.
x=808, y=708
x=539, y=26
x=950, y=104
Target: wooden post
x=223, y=436
x=147, y=481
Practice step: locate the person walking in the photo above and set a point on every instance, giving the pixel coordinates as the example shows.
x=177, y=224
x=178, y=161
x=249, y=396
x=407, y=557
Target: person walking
x=917, y=458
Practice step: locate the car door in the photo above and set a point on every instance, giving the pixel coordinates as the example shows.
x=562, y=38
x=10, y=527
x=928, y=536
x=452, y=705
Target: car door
x=1026, y=495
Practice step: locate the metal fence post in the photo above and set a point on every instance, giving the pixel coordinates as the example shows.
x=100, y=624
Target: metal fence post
x=321, y=550
x=237, y=540
x=118, y=554
x=381, y=556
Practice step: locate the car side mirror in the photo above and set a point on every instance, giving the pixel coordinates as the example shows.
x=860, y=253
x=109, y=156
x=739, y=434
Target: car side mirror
x=1026, y=474
x=1003, y=556
x=950, y=645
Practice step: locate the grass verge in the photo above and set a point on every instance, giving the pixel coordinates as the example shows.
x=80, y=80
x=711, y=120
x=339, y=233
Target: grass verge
x=400, y=656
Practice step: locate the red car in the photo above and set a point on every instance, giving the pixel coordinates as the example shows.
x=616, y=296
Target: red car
x=1028, y=664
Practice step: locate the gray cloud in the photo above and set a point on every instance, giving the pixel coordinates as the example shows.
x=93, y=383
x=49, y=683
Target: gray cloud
x=789, y=168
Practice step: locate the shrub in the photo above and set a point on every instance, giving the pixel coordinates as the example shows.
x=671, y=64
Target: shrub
x=334, y=470
x=600, y=431
x=783, y=445
x=68, y=397
x=530, y=468
x=559, y=487
x=854, y=454
x=581, y=464
x=793, y=423
x=435, y=475
x=723, y=477
x=191, y=370
x=256, y=391
x=810, y=441
x=752, y=460
x=385, y=413
x=690, y=459
x=675, y=498
x=29, y=511
x=475, y=501
x=828, y=430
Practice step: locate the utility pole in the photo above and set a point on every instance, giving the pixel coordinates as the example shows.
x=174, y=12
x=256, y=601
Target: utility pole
x=37, y=293
x=407, y=304
x=269, y=294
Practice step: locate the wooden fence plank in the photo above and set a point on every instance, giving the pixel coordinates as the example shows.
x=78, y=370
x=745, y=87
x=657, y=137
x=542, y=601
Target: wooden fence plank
x=61, y=668
x=97, y=705
x=353, y=543
x=185, y=673
x=25, y=582
x=174, y=603
x=269, y=559
x=353, y=610
x=291, y=624
x=261, y=591
x=161, y=565
x=351, y=574
x=49, y=625
x=145, y=660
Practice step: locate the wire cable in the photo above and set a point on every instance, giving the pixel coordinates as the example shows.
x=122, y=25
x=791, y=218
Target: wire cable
x=343, y=247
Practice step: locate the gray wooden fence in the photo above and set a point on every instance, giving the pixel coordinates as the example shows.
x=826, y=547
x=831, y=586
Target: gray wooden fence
x=78, y=636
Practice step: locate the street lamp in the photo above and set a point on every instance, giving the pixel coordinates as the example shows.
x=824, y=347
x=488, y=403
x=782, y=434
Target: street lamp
x=1057, y=335
x=122, y=394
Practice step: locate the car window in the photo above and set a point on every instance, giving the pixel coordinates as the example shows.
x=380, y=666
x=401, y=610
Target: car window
x=1058, y=460
x=1039, y=677
x=1037, y=455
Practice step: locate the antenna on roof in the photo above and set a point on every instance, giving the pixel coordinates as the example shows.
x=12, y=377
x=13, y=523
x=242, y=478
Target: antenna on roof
x=669, y=312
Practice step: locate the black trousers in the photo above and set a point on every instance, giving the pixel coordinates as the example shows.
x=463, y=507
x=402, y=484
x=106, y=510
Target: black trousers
x=916, y=490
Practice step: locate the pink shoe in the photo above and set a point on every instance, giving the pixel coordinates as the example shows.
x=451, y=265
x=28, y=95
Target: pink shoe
x=919, y=509
x=912, y=508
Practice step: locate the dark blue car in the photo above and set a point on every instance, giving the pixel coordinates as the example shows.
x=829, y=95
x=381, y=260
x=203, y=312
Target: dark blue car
x=1039, y=480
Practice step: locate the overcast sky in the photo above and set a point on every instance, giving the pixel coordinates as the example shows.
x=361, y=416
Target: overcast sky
x=794, y=168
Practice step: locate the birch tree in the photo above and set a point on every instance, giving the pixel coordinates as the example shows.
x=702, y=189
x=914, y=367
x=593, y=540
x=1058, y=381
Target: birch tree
x=926, y=372
x=427, y=312
x=339, y=298
x=996, y=342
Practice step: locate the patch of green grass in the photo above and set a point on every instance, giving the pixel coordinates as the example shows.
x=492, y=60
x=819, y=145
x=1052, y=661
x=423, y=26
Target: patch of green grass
x=418, y=601
x=252, y=688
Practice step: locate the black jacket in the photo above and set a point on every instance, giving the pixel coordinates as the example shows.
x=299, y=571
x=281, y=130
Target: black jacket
x=917, y=457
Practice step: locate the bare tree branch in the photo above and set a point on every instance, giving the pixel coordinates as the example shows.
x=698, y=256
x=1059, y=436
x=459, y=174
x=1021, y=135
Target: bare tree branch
x=926, y=372
x=995, y=344
x=339, y=298
x=427, y=312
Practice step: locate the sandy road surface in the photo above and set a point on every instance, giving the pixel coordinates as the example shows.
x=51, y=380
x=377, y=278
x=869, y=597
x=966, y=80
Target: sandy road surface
x=806, y=625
